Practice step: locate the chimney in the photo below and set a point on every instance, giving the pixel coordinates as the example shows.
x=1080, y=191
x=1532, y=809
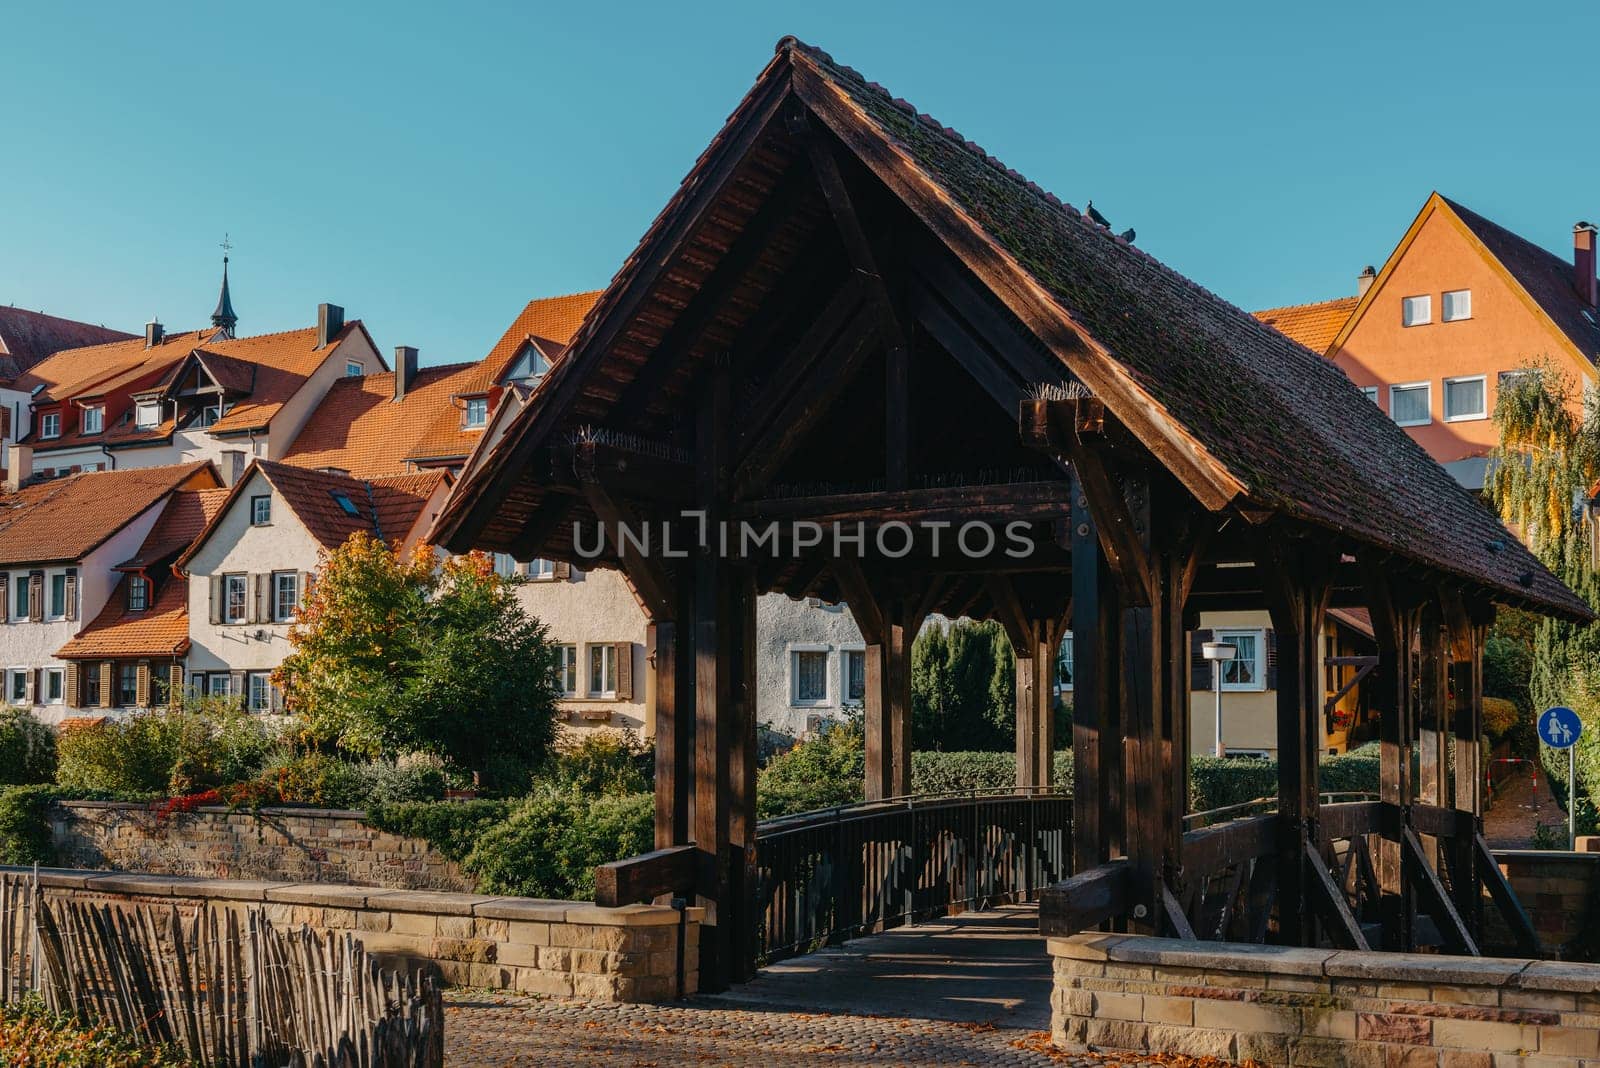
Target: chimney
x=153, y=333
x=330, y=320
x=1364, y=280
x=232, y=467
x=405, y=370
x=1583, y=265
x=19, y=466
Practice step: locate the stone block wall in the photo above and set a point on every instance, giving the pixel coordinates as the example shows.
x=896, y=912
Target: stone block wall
x=566, y=948
x=1560, y=892
x=1315, y=1007
x=281, y=844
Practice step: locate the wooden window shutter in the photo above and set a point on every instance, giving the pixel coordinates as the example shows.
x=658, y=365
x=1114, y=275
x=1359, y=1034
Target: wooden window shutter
x=216, y=598
x=6, y=603
x=72, y=669
x=1271, y=640
x=252, y=608
x=175, y=685
x=107, y=682
x=72, y=593
x=624, y=657
x=36, y=596
x=141, y=684
x=561, y=571
x=1200, y=677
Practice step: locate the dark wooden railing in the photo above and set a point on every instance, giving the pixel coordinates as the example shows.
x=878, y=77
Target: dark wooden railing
x=828, y=876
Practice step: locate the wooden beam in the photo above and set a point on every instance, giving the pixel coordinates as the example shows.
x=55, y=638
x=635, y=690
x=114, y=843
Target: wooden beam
x=861, y=599
x=643, y=878
x=1009, y=611
x=1177, y=920
x=1001, y=502
x=1337, y=919
x=1451, y=926
x=995, y=377
x=1086, y=900
x=780, y=385
x=1097, y=814
x=544, y=522
x=652, y=582
x=1394, y=610
x=805, y=407
x=673, y=663
x=1506, y=900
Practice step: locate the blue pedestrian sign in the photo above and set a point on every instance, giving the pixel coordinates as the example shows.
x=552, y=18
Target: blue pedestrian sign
x=1559, y=727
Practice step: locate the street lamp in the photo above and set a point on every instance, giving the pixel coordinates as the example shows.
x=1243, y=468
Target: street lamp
x=1219, y=653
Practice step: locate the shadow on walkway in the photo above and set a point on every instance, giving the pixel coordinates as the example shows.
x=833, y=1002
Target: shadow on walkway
x=980, y=967
x=1519, y=807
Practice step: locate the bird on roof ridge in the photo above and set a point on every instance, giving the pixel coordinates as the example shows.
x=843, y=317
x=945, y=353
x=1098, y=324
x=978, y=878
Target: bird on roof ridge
x=1095, y=216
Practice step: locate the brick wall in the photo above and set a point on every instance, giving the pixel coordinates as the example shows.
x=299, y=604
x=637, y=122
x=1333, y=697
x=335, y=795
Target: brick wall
x=1286, y=1006
x=1559, y=890
x=281, y=844
x=566, y=948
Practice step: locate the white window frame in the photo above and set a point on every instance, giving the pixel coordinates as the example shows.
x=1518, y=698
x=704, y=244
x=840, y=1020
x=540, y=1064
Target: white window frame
x=608, y=670
x=278, y=580
x=1064, y=654
x=541, y=570
x=138, y=582
x=225, y=678
x=250, y=680
x=54, y=678
x=1400, y=386
x=50, y=425
x=147, y=414
x=118, y=675
x=504, y=565
x=49, y=592
x=12, y=676
x=95, y=413
x=1427, y=310
x=228, y=615
x=1467, y=417
x=1371, y=393
x=1227, y=636
x=848, y=653
x=567, y=678
x=795, y=700
x=467, y=408
x=257, y=519
x=1444, y=306
x=354, y=369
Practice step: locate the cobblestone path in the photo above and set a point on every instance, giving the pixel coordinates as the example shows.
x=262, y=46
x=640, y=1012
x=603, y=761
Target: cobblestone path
x=1510, y=819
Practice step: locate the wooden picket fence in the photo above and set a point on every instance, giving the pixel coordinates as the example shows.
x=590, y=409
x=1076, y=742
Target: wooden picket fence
x=224, y=986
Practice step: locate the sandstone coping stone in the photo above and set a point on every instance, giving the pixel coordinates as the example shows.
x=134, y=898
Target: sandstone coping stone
x=523, y=908
x=624, y=916
x=146, y=885
x=439, y=903
x=1414, y=968
x=252, y=890
x=1220, y=956
x=327, y=895
x=1090, y=947
x=1560, y=975
x=58, y=878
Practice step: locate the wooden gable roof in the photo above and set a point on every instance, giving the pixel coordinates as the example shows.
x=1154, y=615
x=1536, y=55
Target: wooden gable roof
x=1236, y=412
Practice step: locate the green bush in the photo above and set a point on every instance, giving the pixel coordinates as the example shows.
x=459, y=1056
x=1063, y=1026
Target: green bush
x=315, y=778
x=25, y=824
x=27, y=748
x=550, y=843
x=32, y=1035
x=604, y=762
x=210, y=742
x=452, y=827
x=1218, y=782
x=826, y=770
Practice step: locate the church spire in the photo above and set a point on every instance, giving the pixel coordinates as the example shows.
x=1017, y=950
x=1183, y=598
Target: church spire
x=224, y=318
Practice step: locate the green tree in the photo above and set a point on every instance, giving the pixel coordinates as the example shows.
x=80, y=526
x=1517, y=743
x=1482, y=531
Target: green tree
x=394, y=655
x=963, y=686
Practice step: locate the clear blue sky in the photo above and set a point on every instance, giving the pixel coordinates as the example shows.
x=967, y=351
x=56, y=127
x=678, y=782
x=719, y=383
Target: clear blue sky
x=433, y=166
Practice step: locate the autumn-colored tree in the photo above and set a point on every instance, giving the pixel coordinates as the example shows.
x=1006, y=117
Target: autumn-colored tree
x=394, y=654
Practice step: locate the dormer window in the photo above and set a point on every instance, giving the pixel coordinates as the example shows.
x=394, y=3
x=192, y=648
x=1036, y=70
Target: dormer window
x=530, y=366
x=353, y=369
x=211, y=413
x=476, y=415
x=346, y=504
x=50, y=425
x=147, y=414
x=94, y=420
x=138, y=593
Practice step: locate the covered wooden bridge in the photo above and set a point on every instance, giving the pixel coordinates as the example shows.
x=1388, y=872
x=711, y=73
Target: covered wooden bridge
x=850, y=319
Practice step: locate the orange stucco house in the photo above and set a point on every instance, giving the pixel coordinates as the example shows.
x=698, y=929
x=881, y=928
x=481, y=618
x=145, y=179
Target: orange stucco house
x=1459, y=304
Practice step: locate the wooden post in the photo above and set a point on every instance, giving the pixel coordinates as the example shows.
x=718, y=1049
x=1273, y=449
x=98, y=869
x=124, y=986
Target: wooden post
x=1394, y=625
x=1298, y=587
x=1036, y=699
x=673, y=665
x=1468, y=630
x=1433, y=686
x=888, y=621
x=1096, y=720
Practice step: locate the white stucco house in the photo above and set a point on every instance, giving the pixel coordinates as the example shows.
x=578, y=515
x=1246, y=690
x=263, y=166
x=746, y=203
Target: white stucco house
x=62, y=543
x=253, y=561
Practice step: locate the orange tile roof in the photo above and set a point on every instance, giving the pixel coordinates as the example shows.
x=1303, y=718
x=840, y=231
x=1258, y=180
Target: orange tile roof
x=187, y=514
x=283, y=362
x=387, y=507
x=29, y=337
x=162, y=630
x=1313, y=325
x=93, y=369
x=551, y=321
x=68, y=518
x=359, y=427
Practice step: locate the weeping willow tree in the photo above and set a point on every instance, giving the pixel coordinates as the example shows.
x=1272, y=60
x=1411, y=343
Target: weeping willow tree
x=1542, y=476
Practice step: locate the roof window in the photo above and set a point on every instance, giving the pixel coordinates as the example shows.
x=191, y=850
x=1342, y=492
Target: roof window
x=345, y=504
